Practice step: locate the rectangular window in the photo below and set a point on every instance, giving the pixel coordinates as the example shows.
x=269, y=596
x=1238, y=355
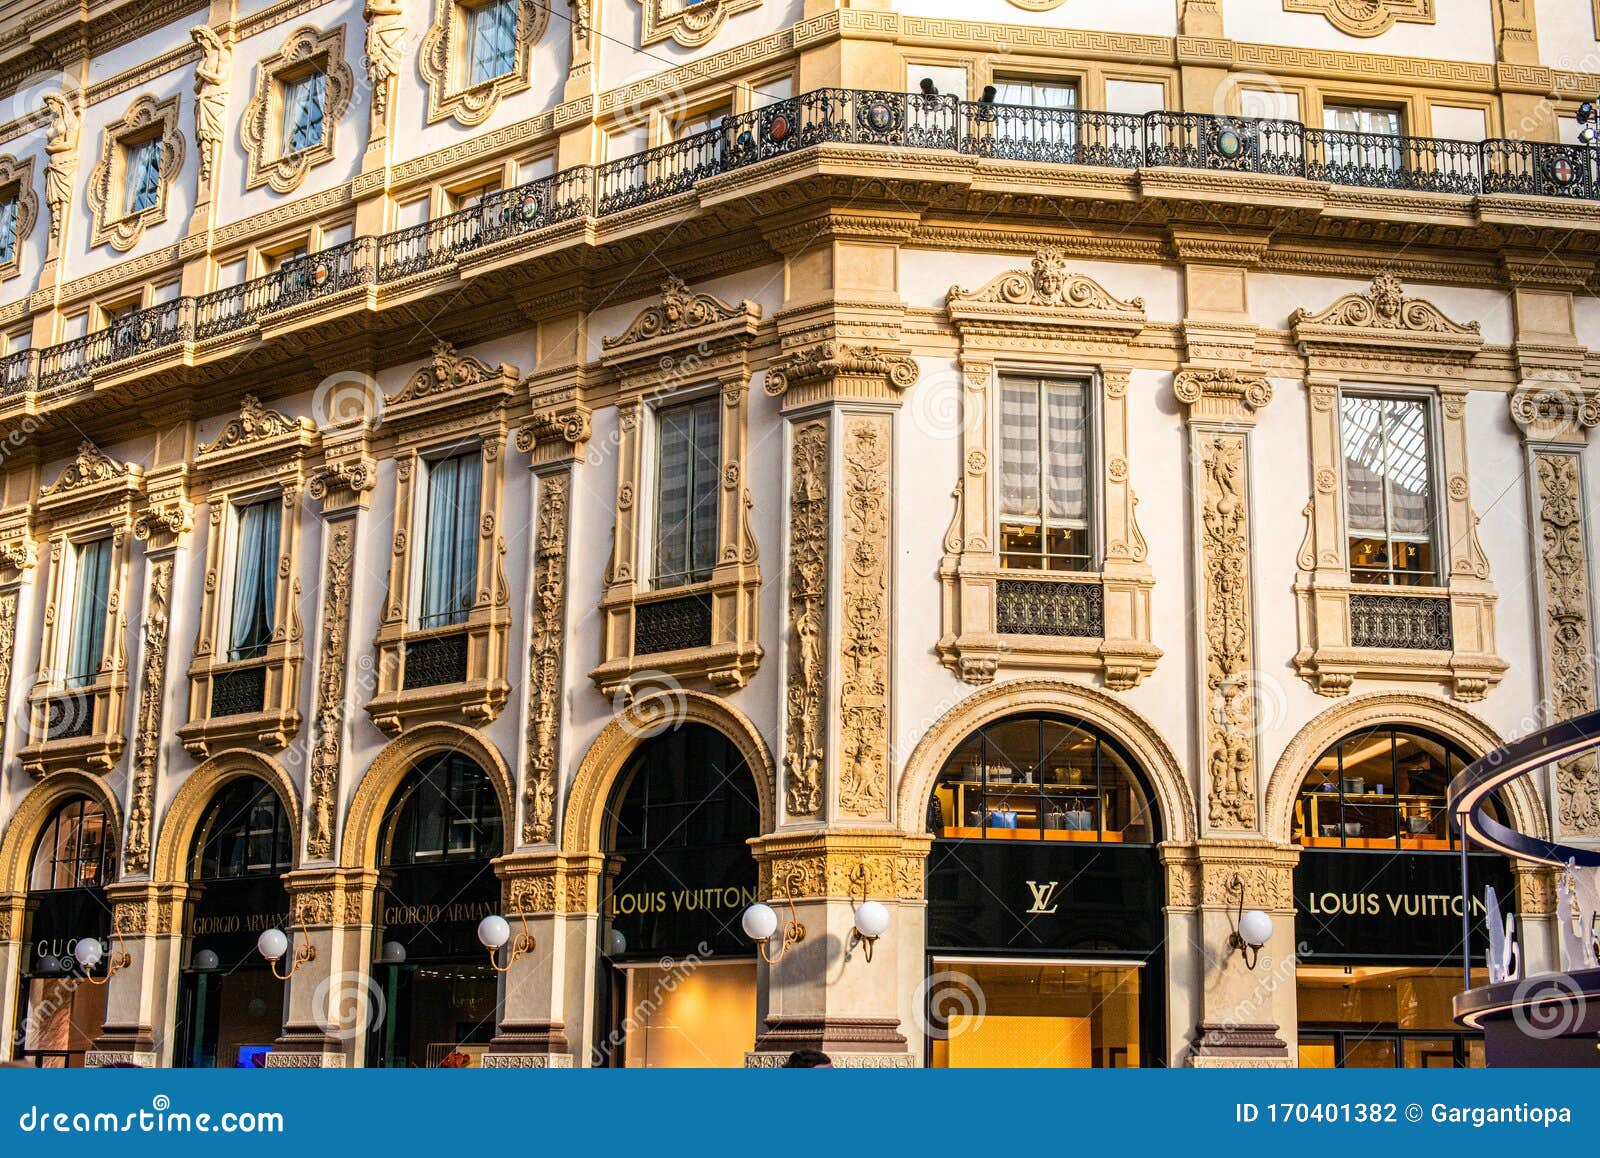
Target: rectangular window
x=450, y=561
x=1044, y=475
x=1369, y=136
x=90, y=598
x=1037, y=116
x=255, y=579
x=688, y=471
x=1388, y=471
x=8, y=229
x=142, y=187
x=303, y=101
x=491, y=40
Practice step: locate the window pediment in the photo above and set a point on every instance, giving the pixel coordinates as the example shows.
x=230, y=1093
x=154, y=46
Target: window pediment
x=93, y=484
x=1384, y=318
x=688, y=22
x=258, y=435
x=449, y=383
x=1366, y=17
x=1046, y=295
x=680, y=312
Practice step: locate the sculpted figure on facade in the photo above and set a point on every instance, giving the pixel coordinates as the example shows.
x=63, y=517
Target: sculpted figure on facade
x=328, y=727
x=211, y=75
x=808, y=584
x=61, y=147
x=147, y=735
x=386, y=42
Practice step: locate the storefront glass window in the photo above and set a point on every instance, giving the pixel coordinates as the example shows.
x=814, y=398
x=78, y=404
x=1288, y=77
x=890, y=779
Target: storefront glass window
x=1380, y=788
x=230, y=1006
x=1381, y=1017
x=59, y=1012
x=1035, y=1015
x=691, y=1014
x=440, y=997
x=1039, y=778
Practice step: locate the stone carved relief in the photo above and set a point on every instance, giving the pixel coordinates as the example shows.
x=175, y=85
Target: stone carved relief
x=1384, y=307
x=547, y=632
x=441, y=49
x=687, y=22
x=1366, y=17
x=212, y=73
x=61, y=149
x=328, y=724
x=1225, y=545
x=808, y=585
x=448, y=369
x=680, y=309
x=830, y=358
x=89, y=467
x=8, y=646
x=1048, y=283
x=864, y=668
x=255, y=423
x=147, y=729
x=1569, y=634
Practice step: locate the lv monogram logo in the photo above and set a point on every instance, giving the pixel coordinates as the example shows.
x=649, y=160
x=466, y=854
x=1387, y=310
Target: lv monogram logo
x=1042, y=896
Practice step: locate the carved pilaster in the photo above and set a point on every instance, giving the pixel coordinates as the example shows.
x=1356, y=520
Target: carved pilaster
x=806, y=718
x=1222, y=405
x=864, y=608
x=327, y=738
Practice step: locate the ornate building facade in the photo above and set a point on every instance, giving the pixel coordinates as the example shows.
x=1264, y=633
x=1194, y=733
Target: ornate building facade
x=1066, y=474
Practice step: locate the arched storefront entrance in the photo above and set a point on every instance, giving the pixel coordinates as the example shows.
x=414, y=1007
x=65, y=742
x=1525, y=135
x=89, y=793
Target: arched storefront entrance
x=60, y=1010
x=1378, y=903
x=441, y=830
x=1045, y=901
x=230, y=1006
x=678, y=976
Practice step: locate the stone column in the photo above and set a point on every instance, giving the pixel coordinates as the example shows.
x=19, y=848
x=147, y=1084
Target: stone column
x=539, y=890
x=13, y=924
x=837, y=843
x=141, y=994
x=1555, y=409
x=330, y=999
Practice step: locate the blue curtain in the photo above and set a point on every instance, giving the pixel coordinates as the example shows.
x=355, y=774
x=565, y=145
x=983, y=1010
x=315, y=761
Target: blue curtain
x=86, y=648
x=450, y=561
x=255, y=572
x=8, y=229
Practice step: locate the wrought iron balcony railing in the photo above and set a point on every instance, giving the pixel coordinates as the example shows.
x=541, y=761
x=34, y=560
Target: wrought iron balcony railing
x=297, y=280
x=1411, y=622
x=1162, y=139
x=130, y=336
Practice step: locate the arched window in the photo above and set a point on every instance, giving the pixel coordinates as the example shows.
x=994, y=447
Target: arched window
x=1041, y=777
x=245, y=833
x=688, y=788
x=75, y=850
x=1381, y=787
x=445, y=812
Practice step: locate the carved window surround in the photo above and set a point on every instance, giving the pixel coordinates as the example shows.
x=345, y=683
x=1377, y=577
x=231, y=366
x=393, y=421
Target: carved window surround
x=307, y=50
x=1366, y=17
x=443, y=62
x=94, y=496
x=258, y=455
x=687, y=344
x=450, y=404
x=1044, y=320
x=1385, y=341
x=690, y=23
x=145, y=119
x=16, y=183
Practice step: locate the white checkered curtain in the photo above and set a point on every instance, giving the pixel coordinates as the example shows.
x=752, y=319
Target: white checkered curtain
x=1019, y=451
x=1066, y=456
x=1043, y=472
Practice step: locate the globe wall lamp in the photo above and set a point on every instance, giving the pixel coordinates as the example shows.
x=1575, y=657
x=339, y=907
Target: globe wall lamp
x=88, y=953
x=494, y=932
x=274, y=943
x=872, y=919
x=760, y=922
x=1251, y=930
